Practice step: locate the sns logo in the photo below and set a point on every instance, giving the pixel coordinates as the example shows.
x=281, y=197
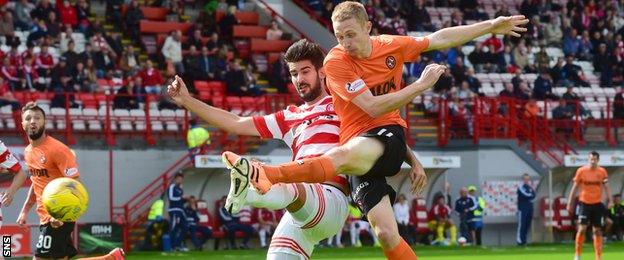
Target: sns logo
x=355, y=86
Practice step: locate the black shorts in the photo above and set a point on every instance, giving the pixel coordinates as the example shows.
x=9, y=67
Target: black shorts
x=367, y=190
x=591, y=213
x=56, y=242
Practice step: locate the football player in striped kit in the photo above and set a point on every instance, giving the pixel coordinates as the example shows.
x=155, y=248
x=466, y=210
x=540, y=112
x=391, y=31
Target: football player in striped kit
x=10, y=164
x=314, y=211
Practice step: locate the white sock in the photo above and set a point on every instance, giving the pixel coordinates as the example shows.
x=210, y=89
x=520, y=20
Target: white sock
x=279, y=197
x=283, y=255
x=339, y=238
x=262, y=233
x=354, y=233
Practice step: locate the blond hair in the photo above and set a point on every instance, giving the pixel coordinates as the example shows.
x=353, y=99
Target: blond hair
x=347, y=10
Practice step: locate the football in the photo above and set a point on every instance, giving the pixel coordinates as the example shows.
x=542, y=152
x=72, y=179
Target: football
x=65, y=199
x=462, y=241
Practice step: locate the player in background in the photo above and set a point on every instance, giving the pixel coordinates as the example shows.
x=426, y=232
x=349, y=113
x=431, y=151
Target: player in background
x=315, y=212
x=48, y=159
x=590, y=179
x=526, y=195
x=440, y=220
x=10, y=164
x=364, y=78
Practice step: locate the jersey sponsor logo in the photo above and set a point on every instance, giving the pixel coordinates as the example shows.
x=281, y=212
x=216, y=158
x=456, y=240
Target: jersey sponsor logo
x=42, y=159
x=355, y=86
x=390, y=62
x=384, y=88
x=38, y=172
x=71, y=171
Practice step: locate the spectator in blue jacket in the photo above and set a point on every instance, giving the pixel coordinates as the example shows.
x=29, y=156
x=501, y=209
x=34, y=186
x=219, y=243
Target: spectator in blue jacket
x=231, y=225
x=463, y=205
x=177, y=217
x=194, y=228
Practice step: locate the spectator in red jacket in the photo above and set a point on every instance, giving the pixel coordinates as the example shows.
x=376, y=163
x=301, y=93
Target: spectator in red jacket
x=29, y=53
x=14, y=56
x=68, y=14
x=44, y=62
x=152, y=79
x=266, y=224
x=494, y=42
x=10, y=75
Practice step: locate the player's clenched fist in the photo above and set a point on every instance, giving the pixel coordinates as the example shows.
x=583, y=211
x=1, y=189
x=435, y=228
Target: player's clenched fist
x=431, y=74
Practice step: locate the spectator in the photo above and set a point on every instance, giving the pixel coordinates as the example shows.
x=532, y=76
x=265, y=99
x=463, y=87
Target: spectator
x=414, y=69
x=453, y=54
x=402, y=216
x=98, y=41
x=531, y=109
x=192, y=65
x=495, y=42
x=7, y=27
x=71, y=57
x=574, y=73
x=508, y=92
x=83, y=12
x=29, y=77
x=126, y=98
x=557, y=74
x=564, y=113
x=22, y=11
x=266, y=224
x=586, y=47
x=152, y=79
x=104, y=61
x=114, y=41
x=178, y=224
x=571, y=43
x=316, y=6
x=479, y=59
x=227, y=23
x=458, y=70
x=194, y=228
x=205, y=65
x=68, y=13
x=603, y=65
x=463, y=206
x=616, y=214
x=61, y=77
x=39, y=32
x=574, y=100
x=83, y=80
x=523, y=92
x=418, y=18
x=507, y=61
x=172, y=50
x=274, y=32
x=53, y=25
x=87, y=53
x=521, y=55
x=10, y=75
x=357, y=225
x=618, y=104
x=476, y=223
x=464, y=92
x=64, y=38
x=473, y=82
x=526, y=195
x=196, y=40
x=445, y=83
x=129, y=62
x=113, y=13
x=134, y=15
x=552, y=30
x=214, y=44
x=440, y=220
x=231, y=224
x=6, y=96
x=542, y=87
x=542, y=59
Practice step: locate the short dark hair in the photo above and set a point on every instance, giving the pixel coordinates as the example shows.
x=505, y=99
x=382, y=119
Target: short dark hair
x=34, y=107
x=617, y=196
x=594, y=153
x=305, y=50
x=179, y=174
x=525, y=174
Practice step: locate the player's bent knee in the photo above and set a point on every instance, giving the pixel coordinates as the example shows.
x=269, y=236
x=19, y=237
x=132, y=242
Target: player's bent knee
x=388, y=237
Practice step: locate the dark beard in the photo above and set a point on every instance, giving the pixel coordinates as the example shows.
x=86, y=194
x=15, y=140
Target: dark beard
x=37, y=135
x=313, y=94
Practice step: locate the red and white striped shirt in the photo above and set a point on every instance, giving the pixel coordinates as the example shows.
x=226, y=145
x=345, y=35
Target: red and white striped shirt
x=7, y=160
x=309, y=130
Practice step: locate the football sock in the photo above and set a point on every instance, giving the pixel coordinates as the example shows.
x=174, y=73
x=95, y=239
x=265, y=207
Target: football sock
x=278, y=197
x=453, y=231
x=578, y=245
x=440, y=232
x=400, y=252
x=598, y=247
x=312, y=170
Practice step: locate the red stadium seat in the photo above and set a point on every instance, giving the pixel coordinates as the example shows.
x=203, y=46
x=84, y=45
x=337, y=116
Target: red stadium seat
x=234, y=104
x=155, y=27
x=418, y=216
x=262, y=45
x=563, y=221
x=155, y=13
x=88, y=100
x=201, y=85
x=217, y=87
x=217, y=101
x=250, y=31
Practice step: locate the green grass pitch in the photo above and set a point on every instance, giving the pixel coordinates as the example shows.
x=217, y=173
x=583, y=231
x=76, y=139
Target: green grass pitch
x=612, y=251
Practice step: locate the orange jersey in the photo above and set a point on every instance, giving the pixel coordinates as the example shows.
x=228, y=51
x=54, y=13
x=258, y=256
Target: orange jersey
x=380, y=73
x=47, y=161
x=590, y=182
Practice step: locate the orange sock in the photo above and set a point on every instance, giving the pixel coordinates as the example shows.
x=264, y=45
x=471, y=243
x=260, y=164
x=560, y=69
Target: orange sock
x=578, y=245
x=598, y=247
x=312, y=170
x=401, y=252
x=104, y=257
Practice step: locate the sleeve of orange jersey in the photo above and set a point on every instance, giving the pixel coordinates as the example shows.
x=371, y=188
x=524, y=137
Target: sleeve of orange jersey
x=343, y=80
x=577, y=176
x=65, y=161
x=412, y=46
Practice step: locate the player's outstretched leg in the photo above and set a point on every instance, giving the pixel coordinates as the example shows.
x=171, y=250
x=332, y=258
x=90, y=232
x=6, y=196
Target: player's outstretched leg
x=239, y=181
x=115, y=254
x=395, y=248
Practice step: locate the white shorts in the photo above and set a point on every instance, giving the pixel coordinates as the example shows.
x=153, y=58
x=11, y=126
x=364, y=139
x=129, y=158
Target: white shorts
x=322, y=216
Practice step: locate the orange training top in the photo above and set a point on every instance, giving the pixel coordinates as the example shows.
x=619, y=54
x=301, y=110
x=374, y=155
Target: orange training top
x=380, y=73
x=47, y=161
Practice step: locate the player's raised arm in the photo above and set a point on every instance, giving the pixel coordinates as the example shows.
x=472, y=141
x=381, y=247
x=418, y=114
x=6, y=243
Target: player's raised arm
x=376, y=106
x=458, y=35
x=220, y=118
